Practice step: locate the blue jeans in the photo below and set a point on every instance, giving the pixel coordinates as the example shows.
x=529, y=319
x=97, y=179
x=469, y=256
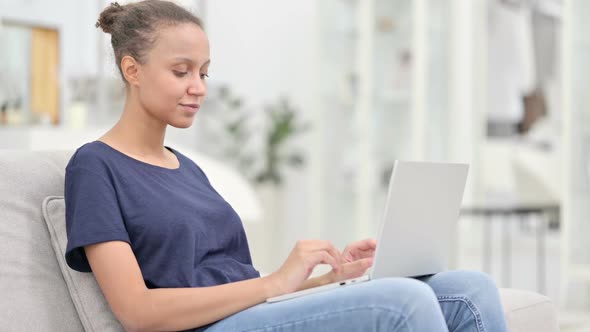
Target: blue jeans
x=457, y=301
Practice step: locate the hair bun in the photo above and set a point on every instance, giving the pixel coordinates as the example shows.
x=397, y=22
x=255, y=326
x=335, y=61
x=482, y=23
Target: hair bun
x=108, y=17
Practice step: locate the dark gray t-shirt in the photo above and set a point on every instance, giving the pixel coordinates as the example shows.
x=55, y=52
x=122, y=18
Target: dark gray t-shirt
x=182, y=232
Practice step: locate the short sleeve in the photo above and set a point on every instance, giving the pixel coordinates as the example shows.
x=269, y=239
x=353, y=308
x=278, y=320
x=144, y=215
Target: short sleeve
x=93, y=214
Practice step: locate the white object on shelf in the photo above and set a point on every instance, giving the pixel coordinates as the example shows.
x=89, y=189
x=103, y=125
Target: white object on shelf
x=77, y=115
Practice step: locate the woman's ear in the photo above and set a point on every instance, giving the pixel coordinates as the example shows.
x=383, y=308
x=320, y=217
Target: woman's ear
x=130, y=69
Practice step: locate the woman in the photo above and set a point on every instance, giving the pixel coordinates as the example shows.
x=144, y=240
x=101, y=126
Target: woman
x=170, y=254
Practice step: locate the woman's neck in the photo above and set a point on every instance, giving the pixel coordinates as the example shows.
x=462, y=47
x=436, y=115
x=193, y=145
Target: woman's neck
x=137, y=132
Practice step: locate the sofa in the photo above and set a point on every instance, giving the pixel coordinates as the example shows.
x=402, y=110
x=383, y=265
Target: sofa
x=40, y=293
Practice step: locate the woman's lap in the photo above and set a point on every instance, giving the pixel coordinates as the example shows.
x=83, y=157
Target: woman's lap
x=390, y=304
x=469, y=300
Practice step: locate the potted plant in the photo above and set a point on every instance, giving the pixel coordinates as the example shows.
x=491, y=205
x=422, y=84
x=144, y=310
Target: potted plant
x=257, y=143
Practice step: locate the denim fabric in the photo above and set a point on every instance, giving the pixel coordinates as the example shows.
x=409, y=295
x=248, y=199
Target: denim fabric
x=457, y=301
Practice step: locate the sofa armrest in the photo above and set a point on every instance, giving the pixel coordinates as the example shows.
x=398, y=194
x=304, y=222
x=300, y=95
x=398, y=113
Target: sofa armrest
x=527, y=311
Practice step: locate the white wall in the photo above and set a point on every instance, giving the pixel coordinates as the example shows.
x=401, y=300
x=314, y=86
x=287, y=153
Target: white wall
x=263, y=48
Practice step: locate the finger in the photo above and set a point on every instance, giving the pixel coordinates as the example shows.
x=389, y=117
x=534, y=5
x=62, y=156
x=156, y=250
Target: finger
x=323, y=257
x=368, y=262
x=366, y=244
x=323, y=245
x=360, y=266
x=348, y=256
x=355, y=269
x=365, y=253
x=336, y=254
x=362, y=263
x=355, y=254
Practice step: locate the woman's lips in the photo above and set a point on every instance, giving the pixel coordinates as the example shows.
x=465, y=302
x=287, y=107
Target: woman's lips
x=192, y=108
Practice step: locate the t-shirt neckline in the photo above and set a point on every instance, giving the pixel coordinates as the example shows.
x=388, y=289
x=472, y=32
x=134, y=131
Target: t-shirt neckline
x=143, y=162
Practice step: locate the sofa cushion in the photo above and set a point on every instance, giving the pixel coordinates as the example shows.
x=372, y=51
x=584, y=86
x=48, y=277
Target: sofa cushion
x=528, y=311
x=34, y=294
x=92, y=306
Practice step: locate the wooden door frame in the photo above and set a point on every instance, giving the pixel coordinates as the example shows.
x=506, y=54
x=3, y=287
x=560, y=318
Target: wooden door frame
x=35, y=24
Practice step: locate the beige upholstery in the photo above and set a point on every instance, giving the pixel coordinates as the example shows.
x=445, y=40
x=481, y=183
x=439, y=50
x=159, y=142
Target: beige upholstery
x=93, y=309
x=527, y=311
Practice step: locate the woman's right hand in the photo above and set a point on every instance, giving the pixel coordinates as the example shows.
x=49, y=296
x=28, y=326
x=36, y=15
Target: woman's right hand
x=304, y=257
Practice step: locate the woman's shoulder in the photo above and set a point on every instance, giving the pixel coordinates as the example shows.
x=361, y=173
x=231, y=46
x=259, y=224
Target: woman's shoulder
x=91, y=156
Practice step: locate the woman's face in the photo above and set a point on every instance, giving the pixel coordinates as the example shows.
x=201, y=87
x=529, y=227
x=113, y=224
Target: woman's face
x=172, y=82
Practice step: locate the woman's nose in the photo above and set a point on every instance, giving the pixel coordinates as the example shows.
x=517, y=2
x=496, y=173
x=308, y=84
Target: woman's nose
x=198, y=87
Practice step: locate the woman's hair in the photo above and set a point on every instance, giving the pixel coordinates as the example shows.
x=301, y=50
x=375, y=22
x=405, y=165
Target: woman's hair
x=133, y=27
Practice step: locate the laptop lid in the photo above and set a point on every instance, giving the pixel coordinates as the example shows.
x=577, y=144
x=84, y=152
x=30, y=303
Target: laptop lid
x=418, y=229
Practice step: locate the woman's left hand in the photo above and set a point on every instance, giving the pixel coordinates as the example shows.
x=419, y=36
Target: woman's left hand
x=360, y=250
x=358, y=257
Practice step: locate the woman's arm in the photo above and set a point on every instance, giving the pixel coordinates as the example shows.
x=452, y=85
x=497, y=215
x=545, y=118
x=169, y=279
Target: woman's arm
x=141, y=309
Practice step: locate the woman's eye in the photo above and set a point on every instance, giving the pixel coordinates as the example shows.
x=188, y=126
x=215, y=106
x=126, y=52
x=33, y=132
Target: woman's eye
x=180, y=73
x=203, y=76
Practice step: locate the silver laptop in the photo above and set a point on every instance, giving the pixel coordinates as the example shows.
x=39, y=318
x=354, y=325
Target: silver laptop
x=418, y=228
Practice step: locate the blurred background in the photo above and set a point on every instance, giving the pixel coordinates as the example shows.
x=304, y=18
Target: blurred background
x=310, y=102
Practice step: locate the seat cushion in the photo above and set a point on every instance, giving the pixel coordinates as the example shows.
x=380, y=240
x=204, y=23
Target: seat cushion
x=527, y=311
x=34, y=294
x=93, y=308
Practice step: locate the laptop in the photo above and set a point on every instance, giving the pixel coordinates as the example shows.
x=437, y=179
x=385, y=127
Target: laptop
x=418, y=228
